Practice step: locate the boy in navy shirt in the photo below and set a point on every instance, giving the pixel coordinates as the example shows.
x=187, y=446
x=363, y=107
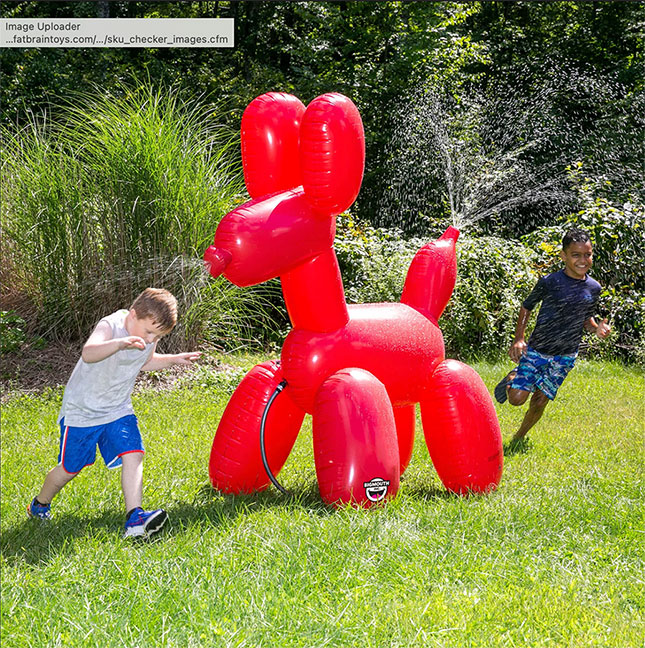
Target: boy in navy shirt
x=569, y=298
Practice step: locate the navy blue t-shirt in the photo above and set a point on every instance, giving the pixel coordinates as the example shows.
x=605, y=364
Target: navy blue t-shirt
x=567, y=303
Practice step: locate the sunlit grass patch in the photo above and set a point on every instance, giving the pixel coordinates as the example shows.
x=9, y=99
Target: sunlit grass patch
x=555, y=557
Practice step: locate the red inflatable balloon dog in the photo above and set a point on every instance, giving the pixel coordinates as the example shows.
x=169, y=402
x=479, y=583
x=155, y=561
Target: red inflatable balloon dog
x=358, y=369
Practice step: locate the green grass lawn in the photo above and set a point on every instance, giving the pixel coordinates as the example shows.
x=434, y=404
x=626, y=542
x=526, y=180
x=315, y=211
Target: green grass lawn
x=555, y=557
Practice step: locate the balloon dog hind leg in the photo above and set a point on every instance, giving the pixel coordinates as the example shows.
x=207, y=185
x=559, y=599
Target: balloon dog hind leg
x=405, y=418
x=461, y=429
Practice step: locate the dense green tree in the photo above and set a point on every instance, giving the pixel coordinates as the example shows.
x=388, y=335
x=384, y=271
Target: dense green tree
x=588, y=55
x=591, y=55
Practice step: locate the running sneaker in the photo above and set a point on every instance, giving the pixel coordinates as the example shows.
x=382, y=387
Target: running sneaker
x=500, y=390
x=40, y=511
x=143, y=524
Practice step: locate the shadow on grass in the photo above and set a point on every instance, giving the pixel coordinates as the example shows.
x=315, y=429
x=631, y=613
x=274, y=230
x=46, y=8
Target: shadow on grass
x=419, y=491
x=520, y=446
x=37, y=541
x=217, y=507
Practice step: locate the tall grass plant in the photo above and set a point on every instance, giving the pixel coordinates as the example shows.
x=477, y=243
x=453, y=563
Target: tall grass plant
x=116, y=193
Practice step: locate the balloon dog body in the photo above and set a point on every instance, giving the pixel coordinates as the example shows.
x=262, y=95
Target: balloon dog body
x=358, y=369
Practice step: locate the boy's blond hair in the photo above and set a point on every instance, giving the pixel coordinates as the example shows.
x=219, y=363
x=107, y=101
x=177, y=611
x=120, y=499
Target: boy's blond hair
x=159, y=305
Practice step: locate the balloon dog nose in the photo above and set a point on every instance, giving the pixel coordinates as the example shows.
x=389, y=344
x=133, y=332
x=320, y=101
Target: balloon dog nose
x=216, y=260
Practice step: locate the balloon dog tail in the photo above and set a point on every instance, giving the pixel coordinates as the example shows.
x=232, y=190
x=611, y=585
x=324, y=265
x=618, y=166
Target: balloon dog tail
x=272, y=477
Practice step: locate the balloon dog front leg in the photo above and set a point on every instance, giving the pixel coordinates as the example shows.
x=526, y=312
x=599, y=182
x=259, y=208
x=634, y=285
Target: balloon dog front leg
x=355, y=445
x=236, y=462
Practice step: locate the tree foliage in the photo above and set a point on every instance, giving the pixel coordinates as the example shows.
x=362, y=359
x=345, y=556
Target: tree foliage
x=590, y=53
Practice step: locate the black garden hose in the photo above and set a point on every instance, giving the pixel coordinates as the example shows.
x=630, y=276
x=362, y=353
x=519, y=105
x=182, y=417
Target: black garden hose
x=274, y=481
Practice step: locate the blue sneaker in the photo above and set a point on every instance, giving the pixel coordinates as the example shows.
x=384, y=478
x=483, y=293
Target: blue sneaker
x=42, y=512
x=500, y=389
x=143, y=524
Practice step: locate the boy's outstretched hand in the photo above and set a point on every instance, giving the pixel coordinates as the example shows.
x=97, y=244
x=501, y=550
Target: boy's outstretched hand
x=603, y=329
x=187, y=358
x=164, y=360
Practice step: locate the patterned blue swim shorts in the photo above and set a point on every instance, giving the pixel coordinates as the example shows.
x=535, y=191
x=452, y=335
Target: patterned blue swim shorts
x=544, y=372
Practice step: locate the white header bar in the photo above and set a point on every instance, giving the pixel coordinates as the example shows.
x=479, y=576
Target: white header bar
x=116, y=32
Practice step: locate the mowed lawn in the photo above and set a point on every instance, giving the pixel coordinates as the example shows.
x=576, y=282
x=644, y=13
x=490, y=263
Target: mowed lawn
x=555, y=557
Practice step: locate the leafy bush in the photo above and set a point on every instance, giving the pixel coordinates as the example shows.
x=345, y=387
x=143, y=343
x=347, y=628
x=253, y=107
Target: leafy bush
x=493, y=278
x=373, y=261
x=494, y=275
x=12, y=333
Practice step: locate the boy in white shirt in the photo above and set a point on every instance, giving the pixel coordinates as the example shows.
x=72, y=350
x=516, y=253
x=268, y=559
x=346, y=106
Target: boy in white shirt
x=97, y=406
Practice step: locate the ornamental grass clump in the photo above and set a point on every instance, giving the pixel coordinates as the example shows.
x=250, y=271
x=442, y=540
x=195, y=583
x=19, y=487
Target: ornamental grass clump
x=119, y=192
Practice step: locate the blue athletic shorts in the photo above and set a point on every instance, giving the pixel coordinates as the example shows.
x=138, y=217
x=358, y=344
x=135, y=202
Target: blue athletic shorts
x=544, y=372
x=78, y=444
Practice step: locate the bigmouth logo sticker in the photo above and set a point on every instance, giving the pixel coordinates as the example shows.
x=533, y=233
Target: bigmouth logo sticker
x=376, y=489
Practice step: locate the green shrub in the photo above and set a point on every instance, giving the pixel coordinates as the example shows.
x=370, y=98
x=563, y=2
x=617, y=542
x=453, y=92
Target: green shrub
x=494, y=275
x=12, y=334
x=373, y=262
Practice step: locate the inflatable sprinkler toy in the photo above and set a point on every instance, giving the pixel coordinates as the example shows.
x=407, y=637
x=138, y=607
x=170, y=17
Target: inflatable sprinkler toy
x=359, y=370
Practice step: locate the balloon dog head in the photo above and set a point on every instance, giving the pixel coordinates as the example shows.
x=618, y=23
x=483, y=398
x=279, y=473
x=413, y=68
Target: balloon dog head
x=302, y=167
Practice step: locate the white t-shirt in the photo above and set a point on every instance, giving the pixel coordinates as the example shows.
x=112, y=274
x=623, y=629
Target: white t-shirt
x=99, y=392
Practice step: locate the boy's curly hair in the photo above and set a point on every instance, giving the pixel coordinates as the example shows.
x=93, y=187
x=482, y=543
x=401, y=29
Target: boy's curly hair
x=575, y=235
x=158, y=304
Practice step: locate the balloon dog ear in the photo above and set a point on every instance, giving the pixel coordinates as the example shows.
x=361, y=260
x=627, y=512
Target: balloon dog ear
x=270, y=143
x=332, y=153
